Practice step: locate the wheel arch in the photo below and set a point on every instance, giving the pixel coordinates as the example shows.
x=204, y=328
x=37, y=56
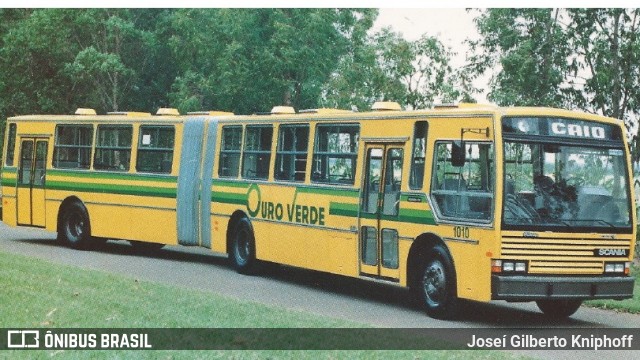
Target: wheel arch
x=65, y=203
x=233, y=221
x=417, y=253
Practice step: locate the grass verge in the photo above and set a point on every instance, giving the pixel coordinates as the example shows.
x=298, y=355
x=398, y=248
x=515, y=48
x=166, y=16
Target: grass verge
x=40, y=294
x=631, y=305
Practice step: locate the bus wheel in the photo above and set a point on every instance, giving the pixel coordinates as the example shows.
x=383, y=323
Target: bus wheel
x=144, y=246
x=559, y=308
x=437, y=284
x=243, y=248
x=74, y=230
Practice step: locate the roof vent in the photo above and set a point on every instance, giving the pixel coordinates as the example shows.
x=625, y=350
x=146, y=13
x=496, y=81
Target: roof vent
x=129, y=113
x=283, y=110
x=168, y=111
x=445, y=106
x=211, y=113
x=325, y=111
x=386, y=106
x=85, y=111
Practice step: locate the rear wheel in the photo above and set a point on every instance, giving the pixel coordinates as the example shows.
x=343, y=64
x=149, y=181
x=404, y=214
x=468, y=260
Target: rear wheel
x=559, y=308
x=243, y=248
x=74, y=230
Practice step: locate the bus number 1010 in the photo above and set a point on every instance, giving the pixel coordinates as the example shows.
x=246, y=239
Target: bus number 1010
x=461, y=232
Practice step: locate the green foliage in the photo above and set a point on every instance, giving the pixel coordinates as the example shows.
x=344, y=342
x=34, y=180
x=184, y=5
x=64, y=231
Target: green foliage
x=573, y=58
x=248, y=60
x=389, y=68
x=531, y=49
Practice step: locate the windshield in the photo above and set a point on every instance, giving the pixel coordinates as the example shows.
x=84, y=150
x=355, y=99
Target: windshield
x=550, y=185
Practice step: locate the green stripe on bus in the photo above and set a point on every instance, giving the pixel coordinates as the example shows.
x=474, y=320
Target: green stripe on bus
x=424, y=217
x=113, y=189
x=9, y=182
x=328, y=191
x=231, y=183
x=416, y=216
x=112, y=176
x=341, y=209
x=306, y=189
x=229, y=198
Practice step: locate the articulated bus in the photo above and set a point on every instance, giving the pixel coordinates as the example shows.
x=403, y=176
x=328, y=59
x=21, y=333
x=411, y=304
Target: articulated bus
x=457, y=202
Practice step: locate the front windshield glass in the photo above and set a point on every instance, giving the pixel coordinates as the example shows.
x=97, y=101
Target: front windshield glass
x=550, y=185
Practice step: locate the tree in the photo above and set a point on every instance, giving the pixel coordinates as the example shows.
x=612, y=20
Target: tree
x=575, y=58
x=249, y=60
x=388, y=67
x=531, y=51
x=608, y=43
x=112, y=53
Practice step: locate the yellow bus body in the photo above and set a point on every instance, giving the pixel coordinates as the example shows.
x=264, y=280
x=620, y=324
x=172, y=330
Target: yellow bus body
x=305, y=223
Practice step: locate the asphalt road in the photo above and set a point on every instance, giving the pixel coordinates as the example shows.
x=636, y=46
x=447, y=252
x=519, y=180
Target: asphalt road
x=357, y=300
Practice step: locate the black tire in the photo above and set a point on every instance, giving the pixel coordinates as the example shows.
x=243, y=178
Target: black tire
x=144, y=246
x=75, y=230
x=559, y=308
x=243, y=248
x=436, y=284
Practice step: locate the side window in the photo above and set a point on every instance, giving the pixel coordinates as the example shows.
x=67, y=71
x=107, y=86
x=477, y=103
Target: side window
x=230, y=151
x=155, y=149
x=72, y=149
x=291, y=156
x=113, y=148
x=11, y=145
x=464, y=192
x=416, y=178
x=335, y=154
x=257, y=152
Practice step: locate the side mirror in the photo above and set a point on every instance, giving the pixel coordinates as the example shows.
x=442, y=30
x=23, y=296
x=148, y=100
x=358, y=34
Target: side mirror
x=458, y=154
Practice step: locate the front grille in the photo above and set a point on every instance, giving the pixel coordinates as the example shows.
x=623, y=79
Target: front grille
x=562, y=256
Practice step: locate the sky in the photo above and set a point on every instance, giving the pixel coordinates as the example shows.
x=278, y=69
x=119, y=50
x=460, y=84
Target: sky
x=452, y=26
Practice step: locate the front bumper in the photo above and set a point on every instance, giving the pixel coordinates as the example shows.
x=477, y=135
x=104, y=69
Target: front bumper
x=529, y=288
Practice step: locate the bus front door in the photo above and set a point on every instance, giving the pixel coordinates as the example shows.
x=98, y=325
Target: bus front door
x=31, y=181
x=379, y=208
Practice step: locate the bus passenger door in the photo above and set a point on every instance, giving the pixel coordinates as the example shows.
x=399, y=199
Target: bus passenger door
x=31, y=182
x=379, y=207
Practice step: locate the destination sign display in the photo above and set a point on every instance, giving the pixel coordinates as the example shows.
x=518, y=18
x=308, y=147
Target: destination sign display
x=561, y=127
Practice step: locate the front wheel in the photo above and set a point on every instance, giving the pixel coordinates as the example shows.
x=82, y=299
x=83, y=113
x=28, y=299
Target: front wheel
x=436, y=288
x=559, y=308
x=74, y=230
x=243, y=248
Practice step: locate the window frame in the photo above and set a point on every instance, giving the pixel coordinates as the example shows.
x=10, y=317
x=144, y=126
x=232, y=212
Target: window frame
x=224, y=151
x=353, y=155
x=142, y=149
x=258, y=152
x=433, y=191
x=12, y=135
x=113, y=148
x=412, y=171
x=292, y=153
x=57, y=146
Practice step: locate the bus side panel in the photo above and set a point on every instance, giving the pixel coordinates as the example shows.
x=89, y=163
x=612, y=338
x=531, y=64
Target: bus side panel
x=119, y=207
x=473, y=266
x=154, y=223
x=9, y=179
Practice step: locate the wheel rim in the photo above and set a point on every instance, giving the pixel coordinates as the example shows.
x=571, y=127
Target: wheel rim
x=75, y=225
x=243, y=247
x=435, y=283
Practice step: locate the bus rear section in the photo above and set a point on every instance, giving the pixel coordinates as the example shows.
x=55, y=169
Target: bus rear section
x=567, y=213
